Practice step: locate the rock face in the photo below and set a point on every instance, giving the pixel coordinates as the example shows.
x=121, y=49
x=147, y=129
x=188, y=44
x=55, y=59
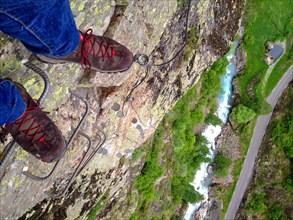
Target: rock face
x=128, y=115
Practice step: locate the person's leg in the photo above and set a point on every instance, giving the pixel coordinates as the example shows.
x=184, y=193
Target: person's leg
x=44, y=27
x=47, y=28
x=11, y=104
x=30, y=127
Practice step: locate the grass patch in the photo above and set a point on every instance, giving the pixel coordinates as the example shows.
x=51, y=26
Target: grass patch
x=264, y=20
x=281, y=67
x=98, y=207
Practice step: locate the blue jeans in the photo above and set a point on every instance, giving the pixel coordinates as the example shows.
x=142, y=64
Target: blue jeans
x=11, y=104
x=45, y=27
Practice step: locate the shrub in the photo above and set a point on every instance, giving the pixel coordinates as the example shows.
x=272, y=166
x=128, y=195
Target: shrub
x=222, y=164
x=192, y=196
x=276, y=214
x=257, y=202
x=213, y=119
x=175, y=217
x=242, y=114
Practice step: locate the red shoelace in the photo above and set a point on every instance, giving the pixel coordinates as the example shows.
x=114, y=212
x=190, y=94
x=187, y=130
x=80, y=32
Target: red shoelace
x=92, y=46
x=34, y=128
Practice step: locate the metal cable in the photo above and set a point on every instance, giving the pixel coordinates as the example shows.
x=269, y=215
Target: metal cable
x=128, y=97
x=185, y=39
x=37, y=178
x=76, y=172
x=145, y=59
x=44, y=76
x=6, y=157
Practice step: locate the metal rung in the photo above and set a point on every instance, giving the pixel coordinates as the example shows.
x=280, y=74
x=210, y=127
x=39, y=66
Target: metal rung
x=64, y=175
x=90, y=153
x=85, y=160
x=76, y=172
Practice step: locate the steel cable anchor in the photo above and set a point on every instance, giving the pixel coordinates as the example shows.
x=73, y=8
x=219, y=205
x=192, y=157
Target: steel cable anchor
x=141, y=59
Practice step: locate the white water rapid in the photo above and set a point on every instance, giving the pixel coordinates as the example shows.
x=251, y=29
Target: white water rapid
x=201, y=179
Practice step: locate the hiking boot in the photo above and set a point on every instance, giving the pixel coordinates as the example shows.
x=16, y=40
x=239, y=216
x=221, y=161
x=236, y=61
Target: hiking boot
x=35, y=132
x=98, y=53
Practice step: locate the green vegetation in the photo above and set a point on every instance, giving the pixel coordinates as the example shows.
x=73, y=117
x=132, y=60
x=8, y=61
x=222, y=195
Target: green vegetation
x=175, y=152
x=258, y=202
x=151, y=170
x=98, y=207
x=174, y=217
x=222, y=164
x=137, y=154
x=281, y=67
x=242, y=114
x=182, y=3
x=276, y=213
x=282, y=134
x=264, y=21
x=212, y=119
x=192, y=43
x=271, y=193
x=190, y=195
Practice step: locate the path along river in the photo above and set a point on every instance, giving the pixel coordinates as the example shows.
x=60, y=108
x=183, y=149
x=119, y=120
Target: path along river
x=201, y=178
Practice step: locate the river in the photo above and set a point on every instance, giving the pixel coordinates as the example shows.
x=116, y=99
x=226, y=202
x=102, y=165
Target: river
x=201, y=180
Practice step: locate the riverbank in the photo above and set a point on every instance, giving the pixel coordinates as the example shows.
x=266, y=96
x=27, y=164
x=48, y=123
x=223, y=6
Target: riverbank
x=202, y=180
x=228, y=144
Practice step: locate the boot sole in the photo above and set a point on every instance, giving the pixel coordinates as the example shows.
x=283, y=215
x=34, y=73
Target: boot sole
x=49, y=60
x=55, y=61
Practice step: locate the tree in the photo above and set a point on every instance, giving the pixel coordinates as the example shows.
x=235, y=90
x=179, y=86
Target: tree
x=190, y=195
x=242, y=114
x=222, y=164
x=213, y=119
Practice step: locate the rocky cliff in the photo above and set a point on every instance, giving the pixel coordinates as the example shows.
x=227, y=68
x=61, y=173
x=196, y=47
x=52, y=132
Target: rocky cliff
x=126, y=114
